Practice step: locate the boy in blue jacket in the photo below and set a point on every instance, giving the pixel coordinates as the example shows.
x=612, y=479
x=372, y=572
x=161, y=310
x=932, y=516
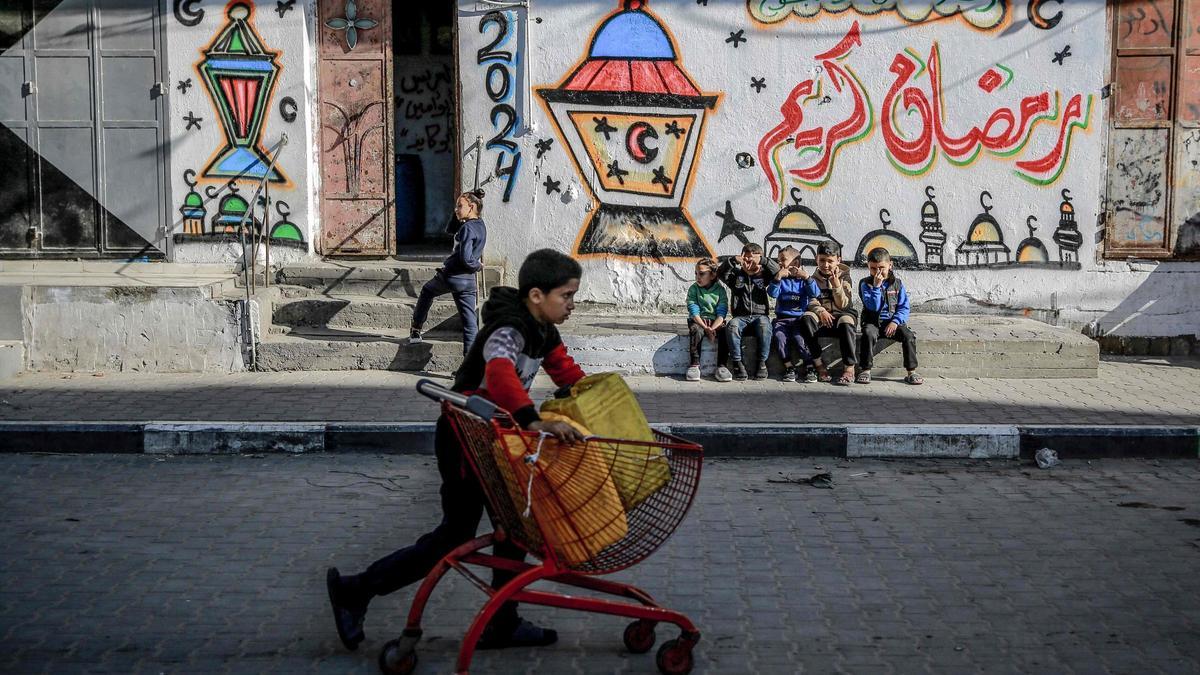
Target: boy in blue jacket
x=885, y=309
x=793, y=290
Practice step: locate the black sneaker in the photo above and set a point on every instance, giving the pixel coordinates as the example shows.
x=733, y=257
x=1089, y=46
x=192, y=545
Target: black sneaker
x=789, y=375
x=739, y=371
x=414, y=336
x=761, y=373
x=525, y=634
x=348, y=614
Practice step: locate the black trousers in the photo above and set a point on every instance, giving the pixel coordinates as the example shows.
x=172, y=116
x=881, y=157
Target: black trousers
x=696, y=339
x=842, y=329
x=463, y=504
x=873, y=332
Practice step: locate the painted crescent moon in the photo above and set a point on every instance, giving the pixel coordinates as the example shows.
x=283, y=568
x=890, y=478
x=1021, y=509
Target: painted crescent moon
x=635, y=142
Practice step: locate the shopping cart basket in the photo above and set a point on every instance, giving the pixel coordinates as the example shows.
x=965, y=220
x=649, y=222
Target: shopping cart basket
x=555, y=500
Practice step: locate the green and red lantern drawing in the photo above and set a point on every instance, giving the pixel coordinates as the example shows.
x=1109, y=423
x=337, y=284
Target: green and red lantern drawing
x=239, y=74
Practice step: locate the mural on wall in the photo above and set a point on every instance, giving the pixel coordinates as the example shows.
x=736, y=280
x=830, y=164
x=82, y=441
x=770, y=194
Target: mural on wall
x=915, y=121
x=981, y=14
x=633, y=121
x=499, y=82
x=239, y=74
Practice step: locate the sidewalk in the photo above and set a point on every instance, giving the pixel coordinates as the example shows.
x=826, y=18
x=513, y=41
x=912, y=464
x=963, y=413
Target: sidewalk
x=1130, y=401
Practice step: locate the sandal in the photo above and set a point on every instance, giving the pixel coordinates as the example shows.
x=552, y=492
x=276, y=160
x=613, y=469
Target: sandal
x=863, y=377
x=913, y=378
x=845, y=380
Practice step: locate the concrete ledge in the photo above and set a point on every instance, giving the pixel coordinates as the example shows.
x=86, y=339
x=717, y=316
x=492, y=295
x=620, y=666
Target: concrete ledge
x=765, y=440
x=184, y=438
x=934, y=441
x=12, y=358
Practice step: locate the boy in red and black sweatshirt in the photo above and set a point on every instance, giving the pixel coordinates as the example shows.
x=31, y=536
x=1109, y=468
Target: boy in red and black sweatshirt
x=519, y=336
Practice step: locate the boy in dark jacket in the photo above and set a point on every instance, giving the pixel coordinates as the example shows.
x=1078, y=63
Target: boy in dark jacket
x=748, y=276
x=457, y=275
x=832, y=313
x=519, y=336
x=885, y=309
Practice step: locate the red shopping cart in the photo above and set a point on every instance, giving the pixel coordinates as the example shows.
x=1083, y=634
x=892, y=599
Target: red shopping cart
x=581, y=509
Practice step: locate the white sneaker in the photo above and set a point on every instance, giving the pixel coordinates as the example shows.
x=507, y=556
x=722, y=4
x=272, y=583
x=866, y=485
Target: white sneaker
x=723, y=374
x=693, y=374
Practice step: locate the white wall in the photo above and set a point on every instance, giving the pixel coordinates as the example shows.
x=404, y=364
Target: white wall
x=865, y=175
x=291, y=37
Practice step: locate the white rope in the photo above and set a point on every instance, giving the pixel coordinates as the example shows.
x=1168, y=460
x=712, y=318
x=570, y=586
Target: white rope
x=531, y=460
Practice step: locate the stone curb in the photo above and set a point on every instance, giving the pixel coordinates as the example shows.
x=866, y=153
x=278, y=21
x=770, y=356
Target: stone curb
x=761, y=440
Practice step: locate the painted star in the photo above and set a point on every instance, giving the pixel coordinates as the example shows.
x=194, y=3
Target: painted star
x=1061, y=57
x=552, y=185
x=615, y=171
x=731, y=226
x=282, y=6
x=543, y=146
x=184, y=85
x=660, y=177
x=702, y=2
x=192, y=121
x=603, y=127
x=758, y=84
x=674, y=129
x=736, y=38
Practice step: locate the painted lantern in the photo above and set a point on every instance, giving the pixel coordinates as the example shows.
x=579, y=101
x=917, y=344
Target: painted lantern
x=632, y=119
x=239, y=74
x=904, y=256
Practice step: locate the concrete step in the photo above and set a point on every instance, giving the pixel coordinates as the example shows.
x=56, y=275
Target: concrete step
x=304, y=349
x=947, y=346
x=391, y=278
x=359, y=312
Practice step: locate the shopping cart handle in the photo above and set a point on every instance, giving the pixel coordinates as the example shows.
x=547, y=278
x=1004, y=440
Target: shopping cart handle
x=476, y=405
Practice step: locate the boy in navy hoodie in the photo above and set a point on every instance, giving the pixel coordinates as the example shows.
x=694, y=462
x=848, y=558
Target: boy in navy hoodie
x=885, y=310
x=793, y=290
x=457, y=275
x=519, y=336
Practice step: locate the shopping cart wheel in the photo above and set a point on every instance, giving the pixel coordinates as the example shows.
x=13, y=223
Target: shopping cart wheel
x=397, y=660
x=675, y=658
x=639, y=636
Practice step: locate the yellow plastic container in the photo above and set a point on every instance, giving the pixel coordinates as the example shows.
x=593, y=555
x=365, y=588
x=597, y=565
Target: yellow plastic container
x=605, y=404
x=572, y=494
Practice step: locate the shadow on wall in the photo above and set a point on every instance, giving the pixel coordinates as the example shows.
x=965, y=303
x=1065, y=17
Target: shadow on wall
x=1164, y=305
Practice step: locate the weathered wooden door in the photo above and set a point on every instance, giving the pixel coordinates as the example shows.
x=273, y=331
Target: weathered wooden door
x=355, y=91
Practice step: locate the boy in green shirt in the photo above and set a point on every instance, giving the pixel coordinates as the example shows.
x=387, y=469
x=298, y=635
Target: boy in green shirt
x=708, y=305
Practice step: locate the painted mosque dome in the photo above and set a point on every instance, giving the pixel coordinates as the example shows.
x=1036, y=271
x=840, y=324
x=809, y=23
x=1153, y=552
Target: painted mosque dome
x=797, y=224
x=231, y=213
x=904, y=255
x=193, y=206
x=1031, y=250
x=985, y=239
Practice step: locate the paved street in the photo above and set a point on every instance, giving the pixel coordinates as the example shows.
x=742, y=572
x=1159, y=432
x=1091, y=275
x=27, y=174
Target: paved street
x=1146, y=392
x=140, y=564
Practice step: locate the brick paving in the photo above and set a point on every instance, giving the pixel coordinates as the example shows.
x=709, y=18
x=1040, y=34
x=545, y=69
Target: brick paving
x=1145, y=392
x=138, y=564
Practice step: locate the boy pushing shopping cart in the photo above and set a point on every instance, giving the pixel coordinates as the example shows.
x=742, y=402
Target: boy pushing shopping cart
x=487, y=458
